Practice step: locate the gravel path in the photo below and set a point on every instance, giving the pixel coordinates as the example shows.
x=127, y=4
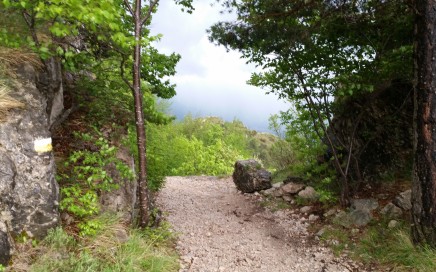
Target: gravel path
x=223, y=230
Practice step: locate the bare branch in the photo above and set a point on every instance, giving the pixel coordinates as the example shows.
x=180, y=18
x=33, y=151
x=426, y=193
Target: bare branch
x=153, y=3
x=129, y=7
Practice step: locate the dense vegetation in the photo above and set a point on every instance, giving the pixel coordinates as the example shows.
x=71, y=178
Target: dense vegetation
x=330, y=58
x=320, y=55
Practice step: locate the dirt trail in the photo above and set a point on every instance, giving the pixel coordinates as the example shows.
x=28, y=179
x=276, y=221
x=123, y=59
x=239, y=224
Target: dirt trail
x=223, y=230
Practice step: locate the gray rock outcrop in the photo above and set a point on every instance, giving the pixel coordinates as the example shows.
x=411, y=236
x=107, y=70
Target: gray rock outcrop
x=353, y=218
x=308, y=193
x=403, y=200
x=368, y=204
x=359, y=215
x=28, y=190
x=391, y=211
x=250, y=177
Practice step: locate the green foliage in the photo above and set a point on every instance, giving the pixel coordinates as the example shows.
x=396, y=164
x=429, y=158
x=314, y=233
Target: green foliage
x=199, y=146
x=275, y=204
x=144, y=250
x=337, y=239
x=85, y=174
x=318, y=54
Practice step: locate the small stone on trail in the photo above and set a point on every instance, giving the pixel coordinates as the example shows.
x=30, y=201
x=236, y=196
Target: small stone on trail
x=208, y=234
x=306, y=209
x=277, y=185
x=393, y=224
x=287, y=198
x=313, y=217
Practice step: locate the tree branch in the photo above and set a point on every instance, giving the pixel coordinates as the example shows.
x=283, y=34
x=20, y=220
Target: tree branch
x=129, y=7
x=153, y=3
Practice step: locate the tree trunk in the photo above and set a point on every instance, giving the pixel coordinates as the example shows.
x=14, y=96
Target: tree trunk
x=424, y=171
x=143, y=194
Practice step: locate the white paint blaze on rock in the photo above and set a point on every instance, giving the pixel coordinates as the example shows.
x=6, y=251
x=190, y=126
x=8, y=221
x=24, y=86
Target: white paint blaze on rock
x=42, y=145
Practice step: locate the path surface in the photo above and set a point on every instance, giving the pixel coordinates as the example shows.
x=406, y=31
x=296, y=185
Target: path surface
x=223, y=230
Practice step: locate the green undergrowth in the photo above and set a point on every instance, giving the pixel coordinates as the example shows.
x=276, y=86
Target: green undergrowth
x=275, y=204
x=394, y=248
x=379, y=247
x=114, y=247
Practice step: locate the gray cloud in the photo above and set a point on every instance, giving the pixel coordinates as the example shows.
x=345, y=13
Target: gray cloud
x=210, y=81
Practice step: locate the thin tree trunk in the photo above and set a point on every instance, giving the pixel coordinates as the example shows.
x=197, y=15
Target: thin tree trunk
x=424, y=171
x=143, y=194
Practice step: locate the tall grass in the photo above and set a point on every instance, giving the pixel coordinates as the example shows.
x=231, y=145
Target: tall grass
x=395, y=249
x=140, y=250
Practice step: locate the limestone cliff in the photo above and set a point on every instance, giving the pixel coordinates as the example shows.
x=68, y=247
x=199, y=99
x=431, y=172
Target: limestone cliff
x=28, y=189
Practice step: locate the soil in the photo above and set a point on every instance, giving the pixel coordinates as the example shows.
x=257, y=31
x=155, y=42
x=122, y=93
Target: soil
x=220, y=229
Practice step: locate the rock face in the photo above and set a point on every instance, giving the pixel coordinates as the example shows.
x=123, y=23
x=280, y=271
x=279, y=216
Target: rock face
x=249, y=177
x=28, y=190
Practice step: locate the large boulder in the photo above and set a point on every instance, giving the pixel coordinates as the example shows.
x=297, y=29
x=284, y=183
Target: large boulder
x=250, y=177
x=29, y=193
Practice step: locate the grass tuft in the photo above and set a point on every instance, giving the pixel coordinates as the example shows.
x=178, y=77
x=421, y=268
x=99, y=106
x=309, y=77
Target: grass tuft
x=7, y=102
x=13, y=57
x=394, y=248
x=115, y=247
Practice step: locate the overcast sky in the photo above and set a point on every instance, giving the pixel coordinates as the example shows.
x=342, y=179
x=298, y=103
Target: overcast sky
x=210, y=81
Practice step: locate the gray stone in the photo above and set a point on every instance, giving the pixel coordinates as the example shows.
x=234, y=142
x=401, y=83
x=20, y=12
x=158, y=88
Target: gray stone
x=360, y=218
x=268, y=192
x=249, y=176
x=330, y=212
x=277, y=185
x=355, y=231
x=391, y=211
x=403, y=200
x=313, y=217
x=287, y=198
x=277, y=193
x=357, y=218
x=306, y=209
x=321, y=232
x=308, y=193
x=393, y=224
x=292, y=188
x=121, y=235
x=67, y=219
x=364, y=204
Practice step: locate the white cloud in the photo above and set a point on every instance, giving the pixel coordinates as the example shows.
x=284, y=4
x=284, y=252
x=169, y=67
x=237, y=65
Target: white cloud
x=210, y=81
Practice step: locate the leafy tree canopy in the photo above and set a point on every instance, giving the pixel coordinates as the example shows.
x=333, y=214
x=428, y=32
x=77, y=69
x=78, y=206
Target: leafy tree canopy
x=322, y=48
